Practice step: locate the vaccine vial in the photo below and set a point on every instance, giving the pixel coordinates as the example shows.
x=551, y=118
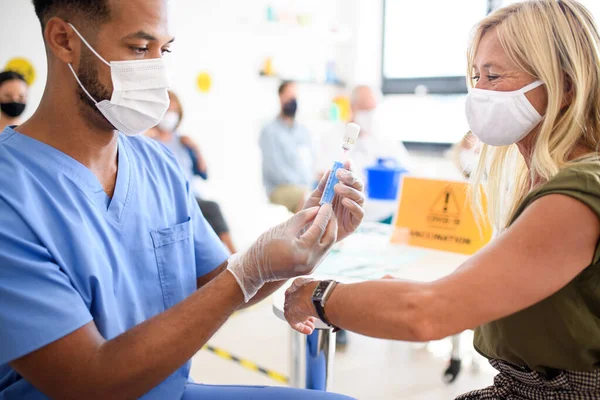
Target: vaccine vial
x=350, y=137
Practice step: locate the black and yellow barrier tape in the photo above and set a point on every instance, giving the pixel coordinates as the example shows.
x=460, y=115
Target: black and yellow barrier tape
x=276, y=376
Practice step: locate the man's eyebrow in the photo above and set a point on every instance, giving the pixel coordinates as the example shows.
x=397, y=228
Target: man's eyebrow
x=141, y=35
x=145, y=36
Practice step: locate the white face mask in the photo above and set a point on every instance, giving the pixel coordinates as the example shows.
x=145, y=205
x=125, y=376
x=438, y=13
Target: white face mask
x=169, y=121
x=366, y=121
x=139, y=99
x=501, y=118
x=468, y=160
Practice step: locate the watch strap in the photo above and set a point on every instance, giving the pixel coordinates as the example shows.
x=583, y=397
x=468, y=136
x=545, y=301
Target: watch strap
x=319, y=298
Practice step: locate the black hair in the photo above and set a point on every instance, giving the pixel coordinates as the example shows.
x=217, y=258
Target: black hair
x=284, y=85
x=95, y=11
x=11, y=76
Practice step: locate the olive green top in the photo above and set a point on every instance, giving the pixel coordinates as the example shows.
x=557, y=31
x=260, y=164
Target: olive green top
x=561, y=332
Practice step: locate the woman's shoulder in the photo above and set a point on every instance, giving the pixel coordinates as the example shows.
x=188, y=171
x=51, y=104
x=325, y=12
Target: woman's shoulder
x=579, y=180
x=584, y=173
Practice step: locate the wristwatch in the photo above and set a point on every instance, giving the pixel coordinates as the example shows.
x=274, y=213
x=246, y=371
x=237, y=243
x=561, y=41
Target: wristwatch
x=319, y=298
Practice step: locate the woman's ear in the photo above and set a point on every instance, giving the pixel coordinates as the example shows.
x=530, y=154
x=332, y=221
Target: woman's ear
x=569, y=93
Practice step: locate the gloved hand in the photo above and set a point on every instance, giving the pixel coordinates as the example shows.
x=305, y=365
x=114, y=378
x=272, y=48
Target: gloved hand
x=293, y=248
x=347, y=203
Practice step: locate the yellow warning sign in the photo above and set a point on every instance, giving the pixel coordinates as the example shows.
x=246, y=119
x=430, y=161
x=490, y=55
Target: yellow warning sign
x=23, y=67
x=445, y=211
x=437, y=215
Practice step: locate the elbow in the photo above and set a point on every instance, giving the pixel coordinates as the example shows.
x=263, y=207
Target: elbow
x=421, y=322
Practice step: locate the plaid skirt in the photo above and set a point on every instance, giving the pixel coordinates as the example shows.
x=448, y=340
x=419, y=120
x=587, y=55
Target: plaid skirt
x=520, y=383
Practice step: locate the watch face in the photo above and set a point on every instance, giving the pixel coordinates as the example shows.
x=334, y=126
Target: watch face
x=320, y=290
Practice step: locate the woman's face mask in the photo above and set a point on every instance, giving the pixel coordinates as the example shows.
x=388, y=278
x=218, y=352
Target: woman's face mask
x=169, y=121
x=501, y=118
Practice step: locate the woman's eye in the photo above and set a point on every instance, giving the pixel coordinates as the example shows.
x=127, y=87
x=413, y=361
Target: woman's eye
x=492, y=77
x=166, y=51
x=476, y=78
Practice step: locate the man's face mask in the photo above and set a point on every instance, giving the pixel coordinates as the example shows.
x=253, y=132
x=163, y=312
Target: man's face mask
x=289, y=109
x=139, y=99
x=366, y=120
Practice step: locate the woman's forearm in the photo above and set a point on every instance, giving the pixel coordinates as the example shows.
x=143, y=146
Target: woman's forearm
x=387, y=309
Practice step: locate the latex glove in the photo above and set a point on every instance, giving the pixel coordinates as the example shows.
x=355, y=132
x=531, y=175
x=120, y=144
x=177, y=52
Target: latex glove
x=298, y=309
x=348, y=202
x=293, y=248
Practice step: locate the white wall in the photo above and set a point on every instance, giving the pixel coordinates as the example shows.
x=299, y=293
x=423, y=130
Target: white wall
x=229, y=39
x=406, y=117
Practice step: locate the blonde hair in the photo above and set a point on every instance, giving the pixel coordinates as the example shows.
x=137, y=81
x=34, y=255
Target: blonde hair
x=557, y=42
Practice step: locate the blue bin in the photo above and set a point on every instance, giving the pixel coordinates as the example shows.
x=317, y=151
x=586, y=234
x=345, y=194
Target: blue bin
x=383, y=179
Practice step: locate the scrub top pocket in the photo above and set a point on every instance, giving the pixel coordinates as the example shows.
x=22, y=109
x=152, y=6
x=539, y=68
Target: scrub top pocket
x=174, y=251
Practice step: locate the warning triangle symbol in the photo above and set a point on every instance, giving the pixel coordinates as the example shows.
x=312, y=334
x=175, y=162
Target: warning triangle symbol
x=446, y=204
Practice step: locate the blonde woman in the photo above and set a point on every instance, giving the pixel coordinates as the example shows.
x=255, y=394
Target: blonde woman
x=533, y=294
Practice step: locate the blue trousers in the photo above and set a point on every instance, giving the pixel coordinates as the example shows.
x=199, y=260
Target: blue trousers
x=209, y=392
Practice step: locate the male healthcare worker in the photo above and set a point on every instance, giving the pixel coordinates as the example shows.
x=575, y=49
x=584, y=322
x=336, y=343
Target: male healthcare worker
x=110, y=277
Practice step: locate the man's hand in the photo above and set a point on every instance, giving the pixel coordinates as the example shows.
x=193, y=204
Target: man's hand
x=348, y=202
x=291, y=249
x=299, y=310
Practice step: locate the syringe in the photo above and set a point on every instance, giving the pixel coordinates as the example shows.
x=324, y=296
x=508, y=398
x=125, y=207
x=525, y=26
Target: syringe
x=350, y=137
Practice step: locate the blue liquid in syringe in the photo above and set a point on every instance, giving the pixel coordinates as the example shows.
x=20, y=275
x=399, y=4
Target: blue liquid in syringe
x=329, y=193
x=350, y=137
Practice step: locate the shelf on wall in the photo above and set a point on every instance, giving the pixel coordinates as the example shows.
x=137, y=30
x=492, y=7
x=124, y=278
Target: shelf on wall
x=303, y=32
x=305, y=81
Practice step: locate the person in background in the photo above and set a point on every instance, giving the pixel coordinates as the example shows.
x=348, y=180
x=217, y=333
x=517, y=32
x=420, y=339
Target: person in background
x=465, y=154
x=192, y=162
x=287, y=154
x=13, y=98
x=371, y=145
x=532, y=294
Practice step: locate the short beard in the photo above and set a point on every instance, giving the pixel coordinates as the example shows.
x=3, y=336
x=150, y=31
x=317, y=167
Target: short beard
x=88, y=75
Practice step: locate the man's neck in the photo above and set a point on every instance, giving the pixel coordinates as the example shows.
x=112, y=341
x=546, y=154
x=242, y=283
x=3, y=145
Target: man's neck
x=62, y=126
x=287, y=120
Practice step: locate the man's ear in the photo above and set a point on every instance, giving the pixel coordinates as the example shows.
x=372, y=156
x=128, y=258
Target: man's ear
x=62, y=41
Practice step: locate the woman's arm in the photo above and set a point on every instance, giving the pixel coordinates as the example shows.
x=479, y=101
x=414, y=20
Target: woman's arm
x=549, y=245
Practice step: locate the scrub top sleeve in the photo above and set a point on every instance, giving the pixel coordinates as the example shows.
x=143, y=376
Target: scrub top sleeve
x=38, y=304
x=210, y=252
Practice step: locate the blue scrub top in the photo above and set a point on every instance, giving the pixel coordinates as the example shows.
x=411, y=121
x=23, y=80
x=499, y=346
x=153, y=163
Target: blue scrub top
x=70, y=255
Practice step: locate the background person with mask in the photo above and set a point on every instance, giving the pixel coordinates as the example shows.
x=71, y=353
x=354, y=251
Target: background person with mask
x=371, y=145
x=110, y=278
x=13, y=98
x=192, y=163
x=465, y=154
x=532, y=293
x=287, y=154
